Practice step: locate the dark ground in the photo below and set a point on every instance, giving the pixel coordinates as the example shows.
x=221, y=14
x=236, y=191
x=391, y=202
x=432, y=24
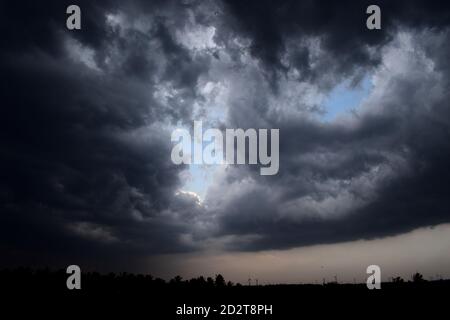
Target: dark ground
x=44, y=293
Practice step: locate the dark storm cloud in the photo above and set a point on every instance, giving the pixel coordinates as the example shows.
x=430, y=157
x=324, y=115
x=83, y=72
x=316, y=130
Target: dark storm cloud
x=272, y=26
x=86, y=168
x=382, y=173
x=86, y=117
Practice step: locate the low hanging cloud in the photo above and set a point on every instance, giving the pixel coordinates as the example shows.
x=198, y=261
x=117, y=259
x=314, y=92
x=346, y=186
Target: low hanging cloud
x=87, y=115
x=374, y=173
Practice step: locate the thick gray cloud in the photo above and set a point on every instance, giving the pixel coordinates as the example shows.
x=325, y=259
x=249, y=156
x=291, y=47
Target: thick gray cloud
x=278, y=30
x=378, y=172
x=85, y=141
x=86, y=120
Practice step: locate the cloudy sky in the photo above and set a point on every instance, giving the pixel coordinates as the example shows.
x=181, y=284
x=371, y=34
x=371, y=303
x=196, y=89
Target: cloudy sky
x=364, y=120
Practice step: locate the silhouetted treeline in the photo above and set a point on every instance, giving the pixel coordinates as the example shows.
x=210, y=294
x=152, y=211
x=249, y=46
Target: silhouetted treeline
x=25, y=279
x=46, y=279
x=25, y=291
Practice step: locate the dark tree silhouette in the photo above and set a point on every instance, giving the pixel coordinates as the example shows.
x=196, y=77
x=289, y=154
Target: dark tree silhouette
x=398, y=280
x=417, y=277
x=177, y=280
x=210, y=282
x=220, y=281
